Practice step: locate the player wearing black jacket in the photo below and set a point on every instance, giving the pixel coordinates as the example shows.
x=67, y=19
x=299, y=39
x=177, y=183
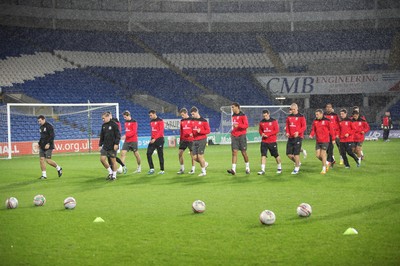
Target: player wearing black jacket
x=109, y=144
x=46, y=146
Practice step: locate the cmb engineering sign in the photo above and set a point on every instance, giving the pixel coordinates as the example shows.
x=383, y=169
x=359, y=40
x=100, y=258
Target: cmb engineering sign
x=330, y=84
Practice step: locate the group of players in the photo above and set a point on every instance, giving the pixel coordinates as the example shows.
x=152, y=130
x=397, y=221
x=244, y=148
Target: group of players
x=328, y=128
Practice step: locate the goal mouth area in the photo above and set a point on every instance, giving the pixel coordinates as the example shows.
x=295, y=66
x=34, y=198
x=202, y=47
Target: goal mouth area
x=76, y=126
x=254, y=116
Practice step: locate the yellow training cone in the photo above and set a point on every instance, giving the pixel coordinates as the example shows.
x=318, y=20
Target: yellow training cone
x=350, y=231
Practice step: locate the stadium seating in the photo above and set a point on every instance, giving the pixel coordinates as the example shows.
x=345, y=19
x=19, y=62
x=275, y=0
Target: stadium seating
x=65, y=66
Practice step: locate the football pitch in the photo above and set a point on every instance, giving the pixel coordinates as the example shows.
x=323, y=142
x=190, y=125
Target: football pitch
x=148, y=220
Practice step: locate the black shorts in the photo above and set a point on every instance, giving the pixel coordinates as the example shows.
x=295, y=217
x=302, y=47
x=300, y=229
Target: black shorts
x=239, y=143
x=293, y=146
x=358, y=144
x=108, y=154
x=130, y=146
x=45, y=153
x=185, y=144
x=321, y=146
x=271, y=147
x=199, y=146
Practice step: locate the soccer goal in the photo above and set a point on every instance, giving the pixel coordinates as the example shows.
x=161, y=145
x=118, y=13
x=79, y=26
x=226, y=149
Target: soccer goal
x=77, y=126
x=254, y=115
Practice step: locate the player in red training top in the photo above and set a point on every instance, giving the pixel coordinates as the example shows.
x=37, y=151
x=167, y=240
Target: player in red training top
x=186, y=140
x=357, y=109
x=346, y=135
x=386, y=125
x=360, y=128
x=268, y=129
x=323, y=132
x=295, y=127
x=131, y=140
x=334, y=119
x=238, y=137
x=200, y=130
x=156, y=142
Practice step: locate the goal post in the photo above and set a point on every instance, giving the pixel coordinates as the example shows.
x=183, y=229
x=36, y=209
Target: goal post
x=77, y=126
x=254, y=116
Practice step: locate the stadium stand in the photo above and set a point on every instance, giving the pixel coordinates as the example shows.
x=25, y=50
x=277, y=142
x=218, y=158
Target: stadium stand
x=115, y=66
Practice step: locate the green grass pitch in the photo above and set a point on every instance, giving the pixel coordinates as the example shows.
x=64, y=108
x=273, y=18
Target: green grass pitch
x=149, y=221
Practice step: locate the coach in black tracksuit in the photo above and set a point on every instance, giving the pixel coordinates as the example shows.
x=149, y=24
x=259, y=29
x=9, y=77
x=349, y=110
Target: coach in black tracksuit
x=109, y=144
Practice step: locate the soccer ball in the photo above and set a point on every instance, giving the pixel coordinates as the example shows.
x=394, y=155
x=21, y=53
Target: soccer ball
x=267, y=217
x=120, y=170
x=198, y=206
x=11, y=203
x=304, y=210
x=69, y=203
x=39, y=200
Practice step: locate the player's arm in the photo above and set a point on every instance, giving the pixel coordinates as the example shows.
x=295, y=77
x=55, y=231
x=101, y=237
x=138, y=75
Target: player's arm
x=275, y=128
x=117, y=137
x=287, y=128
x=312, y=133
x=243, y=122
x=260, y=130
x=206, y=128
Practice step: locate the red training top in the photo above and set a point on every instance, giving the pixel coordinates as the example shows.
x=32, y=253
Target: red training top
x=346, y=127
x=242, y=123
x=296, y=123
x=322, y=130
x=269, y=128
x=202, y=124
x=131, y=127
x=186, y=129
x=157, y=128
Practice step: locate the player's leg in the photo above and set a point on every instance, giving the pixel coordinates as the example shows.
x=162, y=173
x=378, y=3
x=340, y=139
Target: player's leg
x=160, y=152
x=343, y=154
x=200, y=156
x=138, y=161
x=273, y=150
x=192, y=171
x=243, y=150
x=263, y=151
x=42, y=161
x=112, y=155
x=181, y=162
x=150, y=149
x=296, y=155
x=104, y=162
x=349, y=150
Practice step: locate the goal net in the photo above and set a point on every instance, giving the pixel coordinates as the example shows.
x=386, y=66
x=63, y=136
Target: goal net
x=254, y=115
x=77, y=127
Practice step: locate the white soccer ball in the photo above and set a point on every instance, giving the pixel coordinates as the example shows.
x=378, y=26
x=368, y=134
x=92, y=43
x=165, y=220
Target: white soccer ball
x=198, y=206
x=267, y=217
x=304, y=210
x=39, y=200
x=120, y=170
x=11, y=203
x=69, y=203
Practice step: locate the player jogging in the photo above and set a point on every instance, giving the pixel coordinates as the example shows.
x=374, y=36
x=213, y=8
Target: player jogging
x=238, y=138
x=186, y=140
x=131, y=140
x=200, y=130
x=324, y=133
x=295, y=127
x=346, y=135
x=334, y=119
x=156, y=142
x=360, y=128
x=110, y=137
x=386, y=125
x=268, y=129
x=46, y=146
